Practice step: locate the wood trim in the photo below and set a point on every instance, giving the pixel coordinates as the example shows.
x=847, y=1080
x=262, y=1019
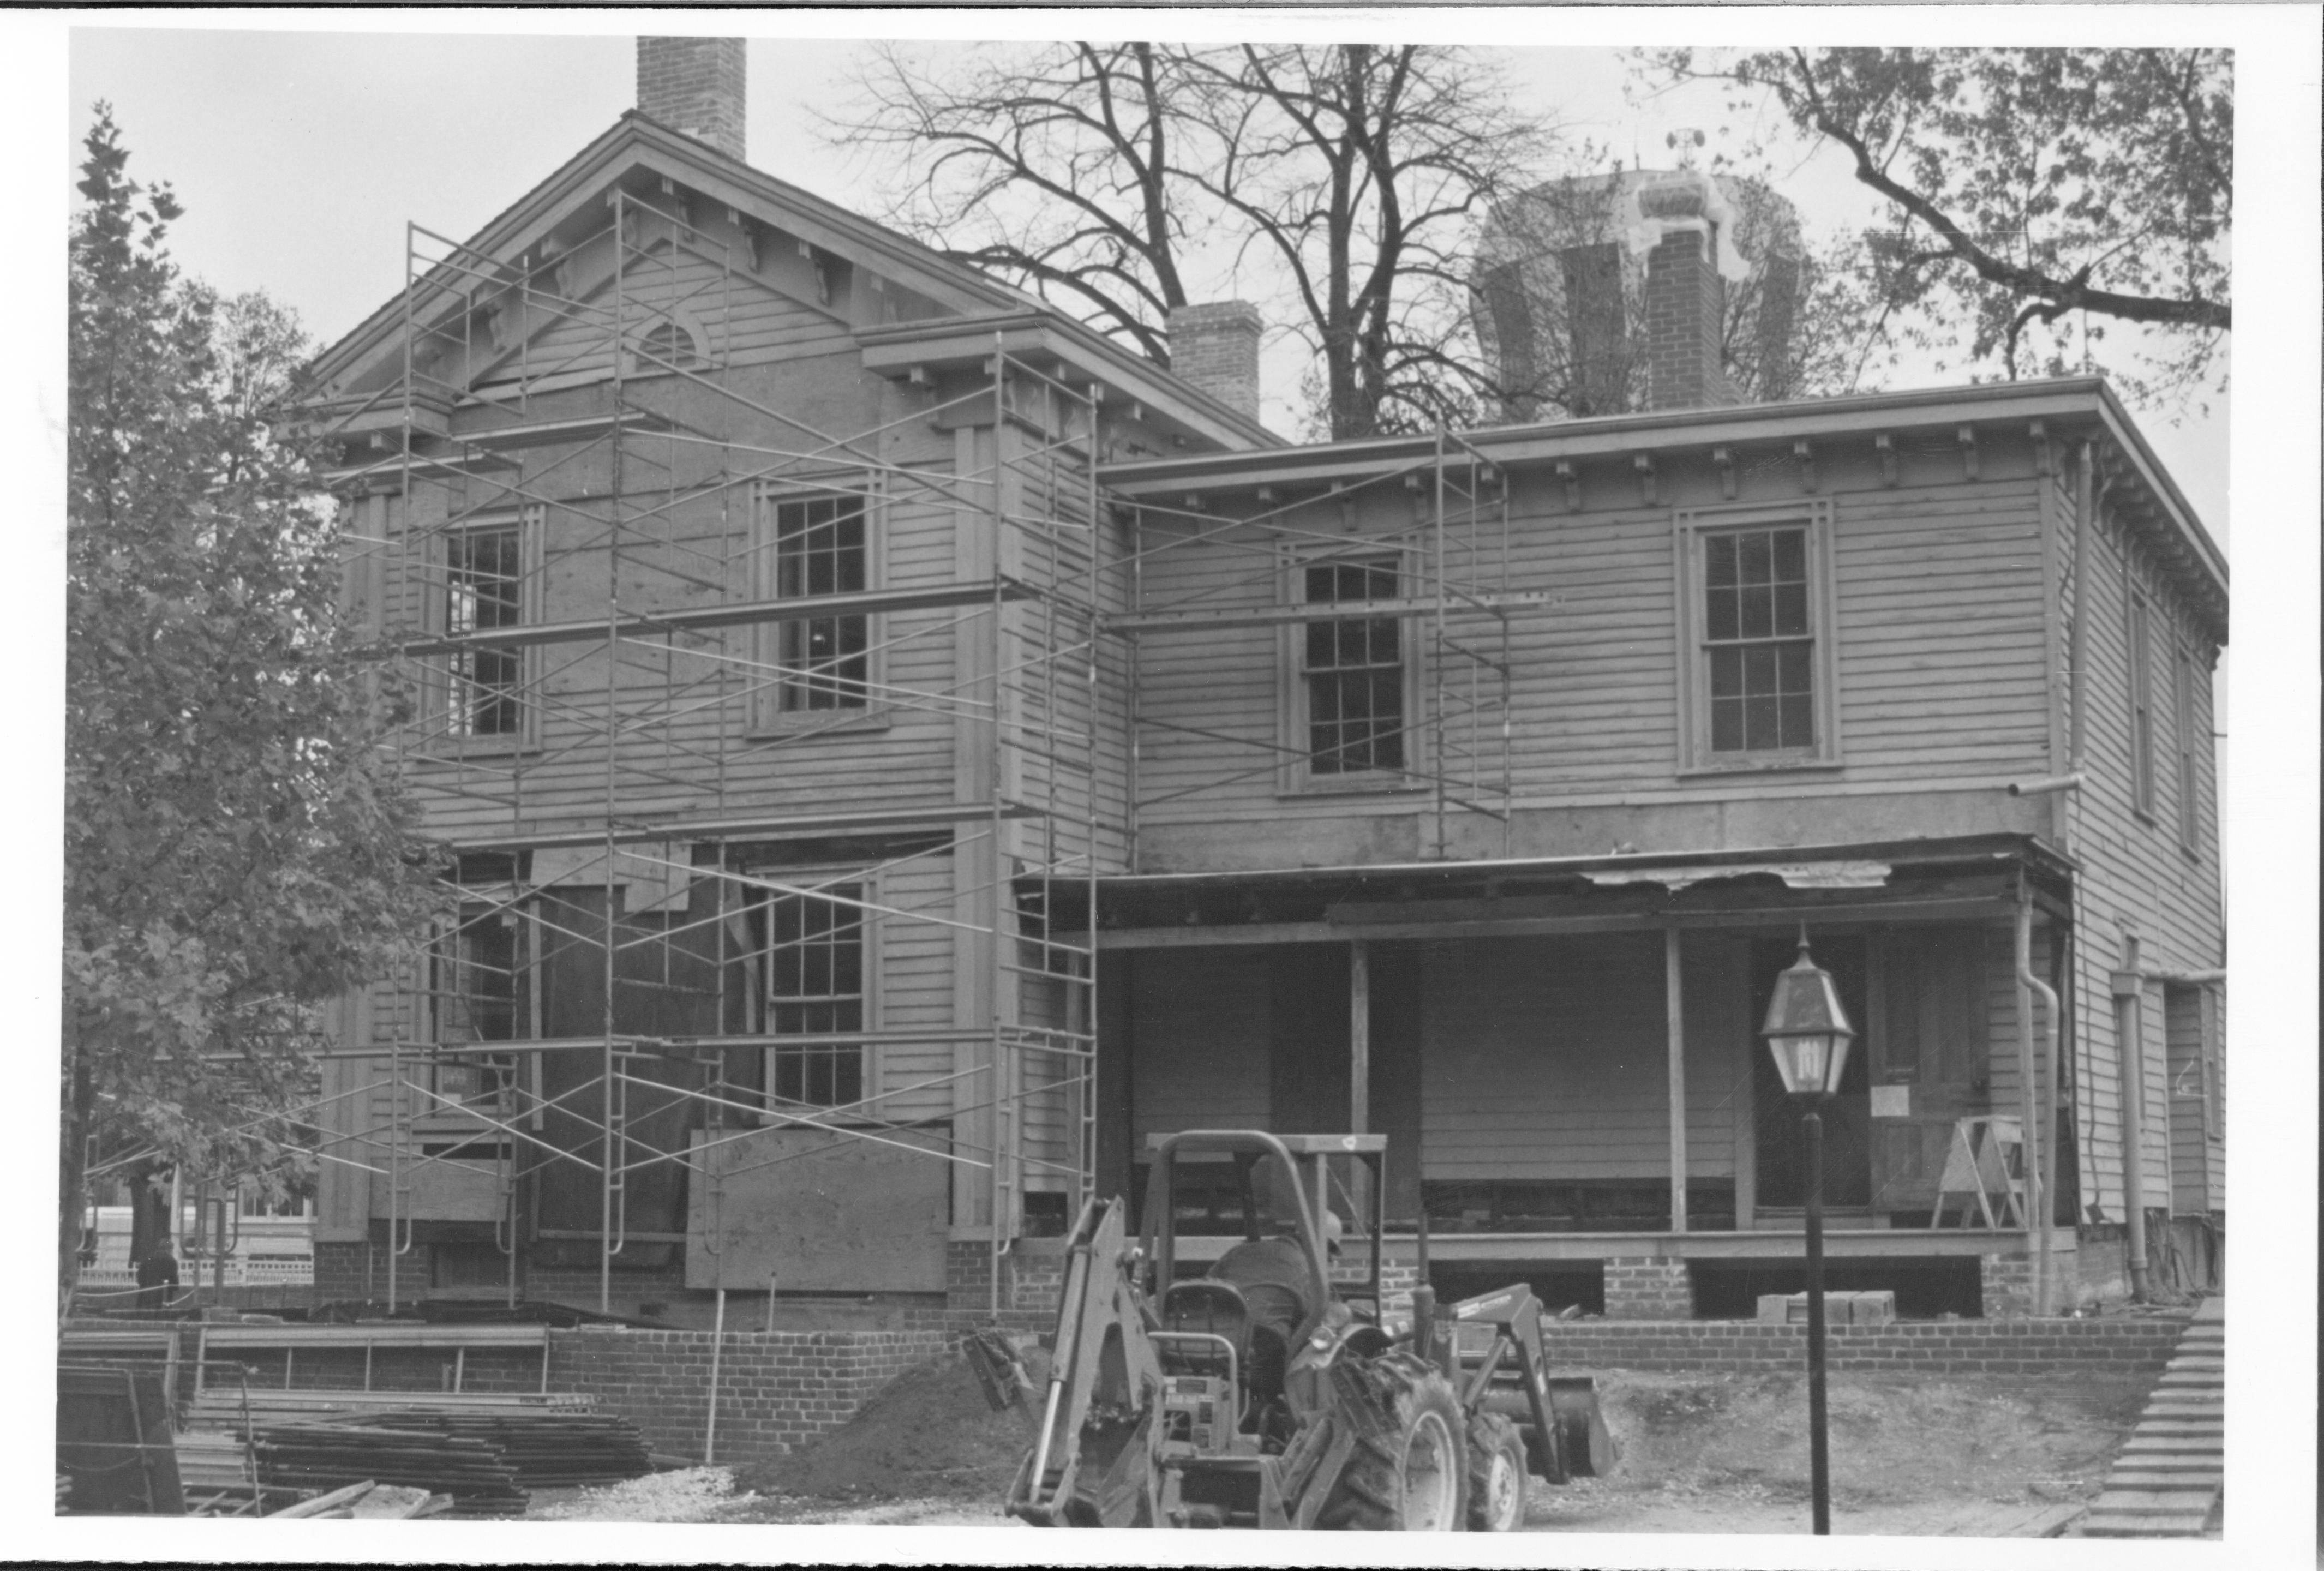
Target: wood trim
x=1688, y=527
x=1960, y=909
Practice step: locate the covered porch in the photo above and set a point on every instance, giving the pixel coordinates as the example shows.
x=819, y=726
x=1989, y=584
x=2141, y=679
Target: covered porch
x=1563, y=1055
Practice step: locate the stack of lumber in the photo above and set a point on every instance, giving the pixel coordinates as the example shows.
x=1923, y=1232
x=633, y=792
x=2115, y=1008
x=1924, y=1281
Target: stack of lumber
x=326, y=1456
x=547, y=1450
x=222, y=1406
x=367, y=1499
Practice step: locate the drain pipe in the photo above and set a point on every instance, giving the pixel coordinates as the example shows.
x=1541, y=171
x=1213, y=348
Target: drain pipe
x=2045, y=1156
x=2029, y=1096
x=2127, y=987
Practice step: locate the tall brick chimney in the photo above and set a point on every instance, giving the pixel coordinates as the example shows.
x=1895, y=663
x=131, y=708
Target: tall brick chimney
x=693, y=85
x=1685, y=297
x=1215, y=347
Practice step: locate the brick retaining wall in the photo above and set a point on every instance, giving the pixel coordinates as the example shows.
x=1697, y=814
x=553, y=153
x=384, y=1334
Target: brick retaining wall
x=775, y=1387
x=2042, y=1348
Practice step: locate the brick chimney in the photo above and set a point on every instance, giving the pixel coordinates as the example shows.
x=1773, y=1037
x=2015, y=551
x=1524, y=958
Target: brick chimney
x=1215, y=348
x=693, y=85
x=1685, y=297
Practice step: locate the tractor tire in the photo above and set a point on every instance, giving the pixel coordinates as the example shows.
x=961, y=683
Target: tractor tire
x=1409, y=1467
x=1496, y=1476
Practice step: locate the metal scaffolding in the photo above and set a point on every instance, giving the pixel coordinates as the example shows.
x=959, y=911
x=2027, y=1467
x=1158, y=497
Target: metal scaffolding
x=604, y=818
x=653, y=497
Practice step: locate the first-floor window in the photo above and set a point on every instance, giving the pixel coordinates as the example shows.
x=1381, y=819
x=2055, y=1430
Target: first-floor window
x=816, y=988
x=1353, y=672
x=480, y=996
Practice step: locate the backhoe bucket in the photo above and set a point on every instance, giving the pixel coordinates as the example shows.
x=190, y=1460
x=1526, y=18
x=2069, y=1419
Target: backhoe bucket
x=1590, y=1448
x=1589, y=1445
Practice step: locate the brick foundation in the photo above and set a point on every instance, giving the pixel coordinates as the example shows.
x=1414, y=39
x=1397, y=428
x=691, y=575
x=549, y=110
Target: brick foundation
x=1642, y=1288
x=2006, y=1283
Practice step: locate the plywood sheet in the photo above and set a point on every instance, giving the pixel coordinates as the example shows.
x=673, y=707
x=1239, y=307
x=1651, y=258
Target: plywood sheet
x=824, y=1213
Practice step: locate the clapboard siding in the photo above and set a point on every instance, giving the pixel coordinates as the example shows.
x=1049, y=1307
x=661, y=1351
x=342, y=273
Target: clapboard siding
x=1941, y=642
x=1548, y=1059
x=2138, y=877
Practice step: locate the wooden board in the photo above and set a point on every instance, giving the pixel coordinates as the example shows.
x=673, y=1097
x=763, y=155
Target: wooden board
x=824, y=1213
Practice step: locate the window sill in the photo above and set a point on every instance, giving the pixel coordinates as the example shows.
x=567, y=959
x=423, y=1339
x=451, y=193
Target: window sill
x=821, y=722
x=469, y=748
x=1783, y=765
x=1359, y=785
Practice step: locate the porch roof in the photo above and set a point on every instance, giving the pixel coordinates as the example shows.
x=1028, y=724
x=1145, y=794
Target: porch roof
x=1952, y=876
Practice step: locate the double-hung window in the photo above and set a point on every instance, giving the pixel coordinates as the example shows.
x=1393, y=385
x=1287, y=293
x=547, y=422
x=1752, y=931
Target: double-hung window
x=2183, y=729
x=816, y=545
x=485, y=591
x=818, y=988
x=1755, y=639
x=1351, y=699
x=2141, y=704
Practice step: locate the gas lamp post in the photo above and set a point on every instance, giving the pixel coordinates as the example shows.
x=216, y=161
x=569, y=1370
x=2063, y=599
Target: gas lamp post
x=1808, y=1032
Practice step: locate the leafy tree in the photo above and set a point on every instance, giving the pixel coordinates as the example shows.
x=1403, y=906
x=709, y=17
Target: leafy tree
x=236, y=847
x=1354, y=174
x=2027, y=189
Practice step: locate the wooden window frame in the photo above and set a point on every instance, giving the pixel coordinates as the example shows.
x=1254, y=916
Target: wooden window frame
x=1691, y=527
x=1296, y=778
x=2182, y=706
x=767, y=717
x=525, y=1002
x=2138, y=639
x=526, y=524
x=870, y=970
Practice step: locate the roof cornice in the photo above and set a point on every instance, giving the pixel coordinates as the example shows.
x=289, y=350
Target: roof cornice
x=2085, y=399
x=896, y=346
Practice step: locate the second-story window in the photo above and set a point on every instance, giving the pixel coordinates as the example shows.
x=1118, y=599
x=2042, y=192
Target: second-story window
x=1352, y=673
x=483, y=591
x=821, y=545
x=2183, y=727
x=2141, y=706
x=816, y=988
x=1756, y=640
x=1757, y=672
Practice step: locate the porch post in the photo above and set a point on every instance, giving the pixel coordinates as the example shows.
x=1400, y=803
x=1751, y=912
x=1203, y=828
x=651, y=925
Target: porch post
x=1674, y=1008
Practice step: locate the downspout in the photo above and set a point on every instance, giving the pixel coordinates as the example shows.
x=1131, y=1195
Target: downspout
x=2029, y=1098
x=2046, y=1154
x=2128, y=989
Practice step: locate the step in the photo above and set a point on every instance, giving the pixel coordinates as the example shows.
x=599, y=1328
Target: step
x=2165, y=1480
x=2142, y=1503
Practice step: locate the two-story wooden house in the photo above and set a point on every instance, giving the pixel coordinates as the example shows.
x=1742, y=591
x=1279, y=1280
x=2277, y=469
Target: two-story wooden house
x=901, y=752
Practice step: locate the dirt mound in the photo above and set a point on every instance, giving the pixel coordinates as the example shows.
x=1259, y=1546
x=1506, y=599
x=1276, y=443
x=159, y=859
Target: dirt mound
x=1893, y=1441
x=927, y=1433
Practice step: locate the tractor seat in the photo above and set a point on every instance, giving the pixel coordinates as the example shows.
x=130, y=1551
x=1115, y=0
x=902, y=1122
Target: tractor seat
x=1209, y=1305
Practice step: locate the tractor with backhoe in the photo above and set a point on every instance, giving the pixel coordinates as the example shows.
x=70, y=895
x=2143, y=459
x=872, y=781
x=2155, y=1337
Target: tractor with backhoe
x=1261, y=1392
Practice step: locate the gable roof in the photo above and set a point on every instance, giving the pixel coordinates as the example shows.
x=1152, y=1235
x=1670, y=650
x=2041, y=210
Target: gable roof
x=635, y=143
